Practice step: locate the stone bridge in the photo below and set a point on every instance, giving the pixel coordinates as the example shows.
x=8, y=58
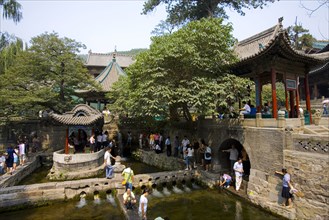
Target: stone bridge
x=13, y=196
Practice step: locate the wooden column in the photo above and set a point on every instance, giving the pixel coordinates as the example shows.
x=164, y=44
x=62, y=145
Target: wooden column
x=67, y=141
x=297, y=101
x=287, y=102
x=307, y=96
x=292, y=104
x=258, y=86
x=286, y=95
x=274, y=101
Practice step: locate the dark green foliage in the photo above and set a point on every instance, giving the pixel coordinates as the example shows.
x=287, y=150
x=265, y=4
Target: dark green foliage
x=44, y=77
x=181, y=73
x=181, y=12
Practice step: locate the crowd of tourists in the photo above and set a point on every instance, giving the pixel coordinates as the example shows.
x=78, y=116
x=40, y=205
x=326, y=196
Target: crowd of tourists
x=16, y=155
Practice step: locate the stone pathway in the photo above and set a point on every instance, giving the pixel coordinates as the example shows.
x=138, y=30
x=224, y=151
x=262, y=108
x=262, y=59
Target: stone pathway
x=130, y=214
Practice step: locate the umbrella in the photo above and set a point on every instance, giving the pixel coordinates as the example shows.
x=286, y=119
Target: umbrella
x=325, y=101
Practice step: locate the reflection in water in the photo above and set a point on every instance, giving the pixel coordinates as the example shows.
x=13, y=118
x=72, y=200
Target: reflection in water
x=156, y=193
x=82, y=201
x=195, y=186
x=238, y=210
x=166, y=192
x=97, y=200
x=111, y=200
x=177, y=190
x=205, y=204
x=186, y=189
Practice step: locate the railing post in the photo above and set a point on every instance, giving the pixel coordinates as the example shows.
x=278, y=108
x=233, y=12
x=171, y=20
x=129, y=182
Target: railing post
x=281, y=121
x=259, y=120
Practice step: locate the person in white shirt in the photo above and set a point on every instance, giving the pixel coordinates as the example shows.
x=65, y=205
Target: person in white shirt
x=108, y=163
x=207, y=158
x=238, y=168
x=168, y=146
x=99, y=139
x=22, y=156
x=185, y=142
x=246, y=109
x=234, y=154
x=142, y=209
x=92, y=143
x=189, y=157
x=2, y=163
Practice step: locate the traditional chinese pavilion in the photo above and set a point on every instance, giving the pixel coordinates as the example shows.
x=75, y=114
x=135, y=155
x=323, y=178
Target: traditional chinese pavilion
x=105, y=75
x=80, y=123
x=268, y=57
x=97, y=62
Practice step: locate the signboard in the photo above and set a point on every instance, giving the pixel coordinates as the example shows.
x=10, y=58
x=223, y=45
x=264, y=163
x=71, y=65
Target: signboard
x=291, y=84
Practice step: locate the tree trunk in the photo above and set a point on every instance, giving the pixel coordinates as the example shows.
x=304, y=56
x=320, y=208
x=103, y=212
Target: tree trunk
x=186, y=112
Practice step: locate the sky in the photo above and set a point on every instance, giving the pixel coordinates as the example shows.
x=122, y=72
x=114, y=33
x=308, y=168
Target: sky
x=108, y=24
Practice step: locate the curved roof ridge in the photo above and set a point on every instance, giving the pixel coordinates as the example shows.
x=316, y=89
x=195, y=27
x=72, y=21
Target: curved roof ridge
x=73, y=118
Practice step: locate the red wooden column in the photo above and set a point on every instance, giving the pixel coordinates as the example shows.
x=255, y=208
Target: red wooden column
x=307, y=96
x=67, y=141
x=292, y=102
x=297, y=101
x=274, y=102
x=287, y=102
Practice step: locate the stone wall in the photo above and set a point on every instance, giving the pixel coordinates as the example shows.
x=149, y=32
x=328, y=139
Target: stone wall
x=309, y=172
x=21, y=172
x=264, y=146
x=159, y=160
x=76, y=166
x=12, y=197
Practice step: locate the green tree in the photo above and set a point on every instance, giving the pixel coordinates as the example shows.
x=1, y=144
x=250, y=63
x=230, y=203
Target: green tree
x=182, y=72
x=181, y=12
x=11, y=9
x=267, y=93
x=9, y=48
x=45, y=76
x=300, y=37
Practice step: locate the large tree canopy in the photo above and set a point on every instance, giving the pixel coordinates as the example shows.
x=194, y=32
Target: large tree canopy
x=181, y=73
x=180, y=12
x=45, y=76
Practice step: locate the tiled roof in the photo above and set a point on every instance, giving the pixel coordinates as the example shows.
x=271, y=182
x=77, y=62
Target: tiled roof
x=274, y=37
x=256, y=43
x=110, y=75
x=80, y=115
x=103, y=59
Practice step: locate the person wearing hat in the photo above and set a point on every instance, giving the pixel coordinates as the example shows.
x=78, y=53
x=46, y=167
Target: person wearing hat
x=142, y=209
x=286, y=188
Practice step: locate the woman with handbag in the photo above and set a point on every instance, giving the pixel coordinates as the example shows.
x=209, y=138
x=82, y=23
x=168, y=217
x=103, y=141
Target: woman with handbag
x=287, y=188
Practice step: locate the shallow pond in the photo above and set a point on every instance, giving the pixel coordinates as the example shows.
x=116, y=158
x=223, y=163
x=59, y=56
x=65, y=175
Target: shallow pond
x=68, y=210
x=173, y=202
x=205, y=204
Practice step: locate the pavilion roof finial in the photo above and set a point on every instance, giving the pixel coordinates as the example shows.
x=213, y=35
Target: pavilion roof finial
x=280, y=22
x=115, y=52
